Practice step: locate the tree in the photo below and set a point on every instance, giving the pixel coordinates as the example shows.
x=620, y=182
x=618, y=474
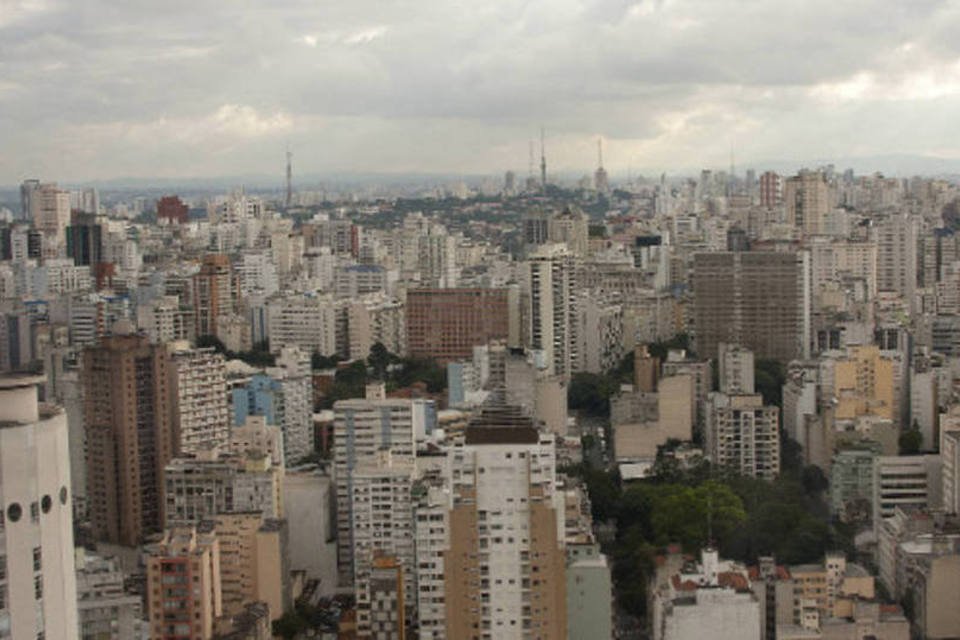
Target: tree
x=379, y=359
x=318, y=361
x=590, y=393
x=911, y=442
x=207, y=341
x=769, y=377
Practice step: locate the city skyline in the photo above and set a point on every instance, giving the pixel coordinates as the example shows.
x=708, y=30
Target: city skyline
x=212, y=90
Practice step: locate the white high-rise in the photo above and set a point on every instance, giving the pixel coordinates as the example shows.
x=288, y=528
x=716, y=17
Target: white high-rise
x=38, y=588
x=365, y=429
x=553, y=307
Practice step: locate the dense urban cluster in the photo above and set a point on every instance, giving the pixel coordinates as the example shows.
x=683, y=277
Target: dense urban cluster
x=725, y=406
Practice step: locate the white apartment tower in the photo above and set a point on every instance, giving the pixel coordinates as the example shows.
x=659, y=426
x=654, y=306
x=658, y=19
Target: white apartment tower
x=364, y=431
x=552, y=308
x=38, y=587
x=203, y=413
x=381, y=509
x=743, y=434
x=490, y=554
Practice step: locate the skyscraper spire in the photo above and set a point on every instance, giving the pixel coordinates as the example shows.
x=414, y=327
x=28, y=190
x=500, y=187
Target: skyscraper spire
x=543, y=162
x=600, y=153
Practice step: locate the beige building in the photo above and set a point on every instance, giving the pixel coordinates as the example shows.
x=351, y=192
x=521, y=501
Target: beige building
x=743, y=434
x=253, y=562
x=673, y=419
x=863, y=383
x=806, y=201
x=50, y=211
x=183, y=585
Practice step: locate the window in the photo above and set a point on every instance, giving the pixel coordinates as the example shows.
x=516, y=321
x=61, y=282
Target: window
x=14, y=511
x=37, y=559
x=38, y=587
x=34, y=512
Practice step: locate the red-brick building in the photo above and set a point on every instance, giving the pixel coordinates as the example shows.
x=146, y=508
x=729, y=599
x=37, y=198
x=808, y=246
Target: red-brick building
x=445, y=324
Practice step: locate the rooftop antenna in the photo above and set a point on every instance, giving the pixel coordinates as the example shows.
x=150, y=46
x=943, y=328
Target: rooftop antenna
x=543, y=162
x=531, y=160
x=289, y=200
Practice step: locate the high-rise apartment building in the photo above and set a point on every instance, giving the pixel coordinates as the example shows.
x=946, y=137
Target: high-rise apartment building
x=807, y=200
x=307, y=322
x=897, y=239
x=743, y=434
x=552, y=312
x=38, y=589
x=212, y=293
x=364, y=430
x=382, y=518
x=50, y=210
x=253, y=561
x=210, y=484
x=760, y=300
x=771, y=189
x=85, y=240
x=492, y=560
x=107, y=610
x=131, y=435
x=202, y=414
x=735, y=369
x=184, y=595
x=446, y=324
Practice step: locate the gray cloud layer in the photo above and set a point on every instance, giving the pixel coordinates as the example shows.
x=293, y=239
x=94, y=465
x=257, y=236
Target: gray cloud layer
x=99, y=88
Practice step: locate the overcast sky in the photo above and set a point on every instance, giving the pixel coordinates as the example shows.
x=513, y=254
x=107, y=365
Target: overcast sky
x=95, y=89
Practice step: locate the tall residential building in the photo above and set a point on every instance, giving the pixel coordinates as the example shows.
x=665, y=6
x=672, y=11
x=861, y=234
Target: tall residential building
x=210, y=484
x=387, y=600
x=760, y=300
x=253, y=561
x=50, y=210
x=307, y=322
x=382, y=521
x=492, y=559
x=570, y=227
x=284, y=398
x=807, y=200
x=743, y=434
x=446, y=324
x=85, y=240
x=202, y=414
x=771, y=189
x=38, y=588
x=131, y=435
x=897, y=238
x=27, y=188
x=107, y=610
x=552, y=312
x=735, y=369
x=183, y=585
x=364, y=430
x=212, y=293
